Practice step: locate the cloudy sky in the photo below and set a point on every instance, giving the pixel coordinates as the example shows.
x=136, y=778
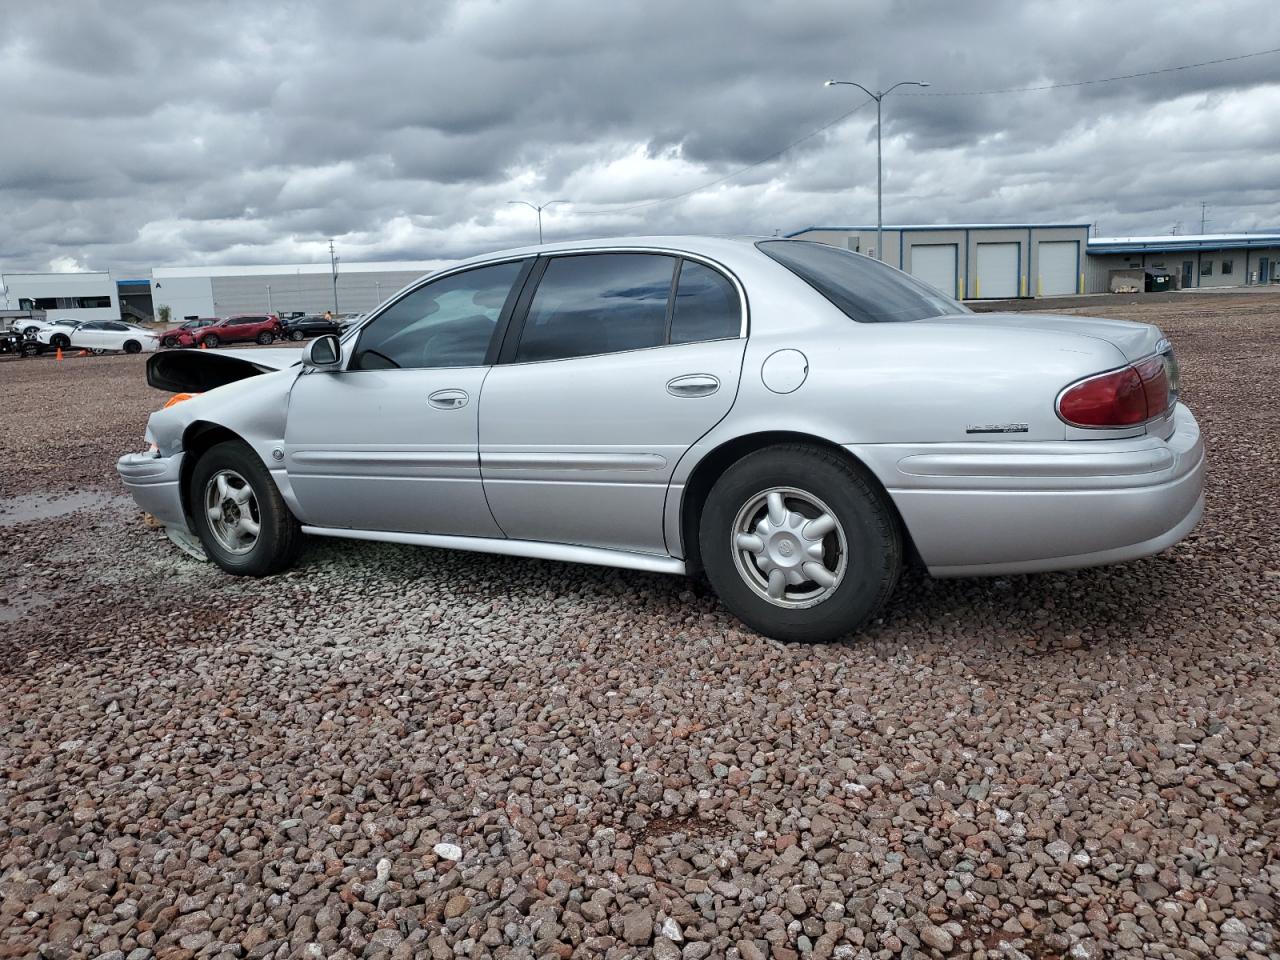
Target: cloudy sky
x=148, y=134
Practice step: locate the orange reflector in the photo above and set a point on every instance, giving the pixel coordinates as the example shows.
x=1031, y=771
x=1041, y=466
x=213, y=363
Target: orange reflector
x=178, y=398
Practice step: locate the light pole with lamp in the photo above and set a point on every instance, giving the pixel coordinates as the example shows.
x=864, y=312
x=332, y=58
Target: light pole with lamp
x=538, y=208
x=877, y=97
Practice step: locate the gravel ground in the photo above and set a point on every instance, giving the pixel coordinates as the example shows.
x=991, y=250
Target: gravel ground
x=402, y=752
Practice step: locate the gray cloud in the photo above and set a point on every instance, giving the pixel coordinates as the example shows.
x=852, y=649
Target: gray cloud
x=228, y=131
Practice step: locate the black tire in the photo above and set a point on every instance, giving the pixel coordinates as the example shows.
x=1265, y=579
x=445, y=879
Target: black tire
x=60, y=340
x=30, y=349
x=266, y=337
x=210, y=340
x=873, y=538
x=170, y=342
x=30, y=331
x=295, y=335
x=279, y=537
x=132, y=346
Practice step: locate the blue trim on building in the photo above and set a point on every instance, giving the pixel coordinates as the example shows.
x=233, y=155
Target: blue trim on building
x=917, y=228
x=1173, y=245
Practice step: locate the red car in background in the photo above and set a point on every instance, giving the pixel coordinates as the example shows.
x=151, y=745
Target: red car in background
x=188, y=334
x=244, y=328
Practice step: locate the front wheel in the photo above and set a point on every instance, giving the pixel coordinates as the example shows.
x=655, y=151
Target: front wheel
x=799, y=544
x=170, y=342
x=295, y=335
x=132, y=346
x=30, y=349
x=210, y=340
x=243, y=522
x=60, y=340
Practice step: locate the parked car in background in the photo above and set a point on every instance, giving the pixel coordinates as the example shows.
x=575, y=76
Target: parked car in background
x=101, y=336
x=242, y=328
x=188, y=334
x=301, y=328
x=795, y=419
x=63, y=324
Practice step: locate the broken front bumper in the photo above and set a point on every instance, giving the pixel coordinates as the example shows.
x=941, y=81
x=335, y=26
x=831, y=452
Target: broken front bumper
x=155, y=483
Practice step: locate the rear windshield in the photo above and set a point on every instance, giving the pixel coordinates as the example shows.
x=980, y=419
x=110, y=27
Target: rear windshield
x=864, y=289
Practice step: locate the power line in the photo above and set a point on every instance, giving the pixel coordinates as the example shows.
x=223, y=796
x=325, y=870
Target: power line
x=955, y=93
x=729, y=176
x=1086, y=83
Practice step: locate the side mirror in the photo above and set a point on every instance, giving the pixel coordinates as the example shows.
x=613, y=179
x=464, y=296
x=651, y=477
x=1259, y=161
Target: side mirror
x=323, y=353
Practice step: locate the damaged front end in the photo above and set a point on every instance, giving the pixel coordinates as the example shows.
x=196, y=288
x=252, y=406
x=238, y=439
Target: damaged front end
x=252, y=412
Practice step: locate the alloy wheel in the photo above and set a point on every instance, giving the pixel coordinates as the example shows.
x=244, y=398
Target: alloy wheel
x=232, y=509
x=789, y=547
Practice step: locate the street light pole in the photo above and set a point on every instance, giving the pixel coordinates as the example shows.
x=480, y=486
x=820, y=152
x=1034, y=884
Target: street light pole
x=538, y=208
x=878, y=98
x=333, y=269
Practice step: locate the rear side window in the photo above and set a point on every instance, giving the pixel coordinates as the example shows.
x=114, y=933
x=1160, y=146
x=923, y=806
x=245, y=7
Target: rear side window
x=598, y=303
x=706, y=306
x=864, y=289
x=446, y=323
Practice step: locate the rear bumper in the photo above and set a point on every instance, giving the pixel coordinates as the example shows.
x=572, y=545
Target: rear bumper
x=154, y=482
x=976, y=509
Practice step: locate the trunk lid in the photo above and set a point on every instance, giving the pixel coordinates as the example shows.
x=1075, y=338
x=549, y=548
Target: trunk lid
x=1133, y=340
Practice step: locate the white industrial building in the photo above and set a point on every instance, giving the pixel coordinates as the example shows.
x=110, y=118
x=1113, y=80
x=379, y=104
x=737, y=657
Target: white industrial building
x=82, y=296
x=308, y=287
x=976, y=261
x=1203, y=260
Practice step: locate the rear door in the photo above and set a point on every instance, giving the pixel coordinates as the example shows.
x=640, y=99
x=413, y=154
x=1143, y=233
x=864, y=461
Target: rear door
x=389, y=443
x=615, y=365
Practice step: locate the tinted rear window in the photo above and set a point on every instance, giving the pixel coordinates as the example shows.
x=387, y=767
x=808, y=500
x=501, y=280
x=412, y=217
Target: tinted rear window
x=864, y=289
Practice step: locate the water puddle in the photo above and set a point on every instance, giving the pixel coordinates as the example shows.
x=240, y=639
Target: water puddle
x=32, y=507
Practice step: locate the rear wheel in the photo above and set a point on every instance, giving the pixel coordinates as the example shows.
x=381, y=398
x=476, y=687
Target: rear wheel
x=30, y=349
x=266, y=337
x=243, y=522
x=799, y=544
x=210, y=340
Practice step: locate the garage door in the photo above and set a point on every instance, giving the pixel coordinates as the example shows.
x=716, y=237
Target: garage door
x=935, y=264
x=997, y=271
x=1056, y=267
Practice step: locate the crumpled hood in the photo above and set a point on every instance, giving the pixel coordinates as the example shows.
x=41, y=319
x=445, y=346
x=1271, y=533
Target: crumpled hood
x=197, y=371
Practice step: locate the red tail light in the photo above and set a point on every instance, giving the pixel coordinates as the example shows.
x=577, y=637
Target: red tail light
x=1121, y=398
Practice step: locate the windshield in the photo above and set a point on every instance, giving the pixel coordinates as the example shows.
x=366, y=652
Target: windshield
x=864, y=289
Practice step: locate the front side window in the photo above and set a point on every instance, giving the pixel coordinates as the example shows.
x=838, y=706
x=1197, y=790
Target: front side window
x=447, y=323
x=706, y=305
x=862, y=288
x=598, y=303
x=92, y=325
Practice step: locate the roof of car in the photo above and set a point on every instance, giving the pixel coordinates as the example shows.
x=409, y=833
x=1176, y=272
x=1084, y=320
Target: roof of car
x=705, y=245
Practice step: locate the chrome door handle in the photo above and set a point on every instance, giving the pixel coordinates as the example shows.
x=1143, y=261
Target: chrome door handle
x=448, y=399
x=693, y=385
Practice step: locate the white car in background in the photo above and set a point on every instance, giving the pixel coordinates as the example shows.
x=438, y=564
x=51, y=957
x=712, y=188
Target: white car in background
x=100, y=336
x=33, y=328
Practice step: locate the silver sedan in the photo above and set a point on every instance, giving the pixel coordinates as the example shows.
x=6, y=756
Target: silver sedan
x=794, y=420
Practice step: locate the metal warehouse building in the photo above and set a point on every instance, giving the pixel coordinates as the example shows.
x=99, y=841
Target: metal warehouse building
x=1206, y=260
x=310, y=288
x=977, y=260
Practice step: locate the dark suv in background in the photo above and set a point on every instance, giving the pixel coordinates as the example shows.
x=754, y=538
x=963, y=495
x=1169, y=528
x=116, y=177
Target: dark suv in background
x=262, y=327
x=300, y=328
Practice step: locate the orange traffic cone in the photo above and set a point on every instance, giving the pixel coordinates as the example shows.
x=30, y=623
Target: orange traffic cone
x=58, y=356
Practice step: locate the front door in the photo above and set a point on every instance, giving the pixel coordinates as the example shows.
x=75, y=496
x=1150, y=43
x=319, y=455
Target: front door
x=602, y=388
x=1264, y=270
x=1188, y=274
x=91, y=335
x=390, y=442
